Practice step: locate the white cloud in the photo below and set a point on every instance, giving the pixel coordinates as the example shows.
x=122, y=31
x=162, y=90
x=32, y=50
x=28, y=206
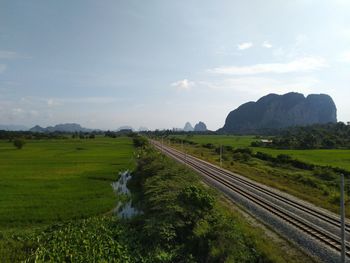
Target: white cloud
x=6, y=54
x=304, y=64
x=52, y=103
x=266, y=44
x=244, y=45
x=345, y=56
x=2, y=68
x=183, y=84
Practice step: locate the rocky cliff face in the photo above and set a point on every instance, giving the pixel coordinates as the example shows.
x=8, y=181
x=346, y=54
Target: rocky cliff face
x=200, y=127
x=280, y=111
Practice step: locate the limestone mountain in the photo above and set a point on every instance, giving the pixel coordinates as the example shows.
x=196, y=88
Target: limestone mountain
x=279, y=111
x=188, y=127
x=200, y=127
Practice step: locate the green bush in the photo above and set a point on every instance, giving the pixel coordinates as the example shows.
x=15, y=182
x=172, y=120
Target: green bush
x=284, y=158
x=139, y=141
x=244, y=157
x=325, y=174
x=99, y=239
x=18, y=143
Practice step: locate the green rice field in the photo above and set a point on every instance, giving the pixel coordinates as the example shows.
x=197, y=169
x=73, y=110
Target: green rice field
x=56, y=180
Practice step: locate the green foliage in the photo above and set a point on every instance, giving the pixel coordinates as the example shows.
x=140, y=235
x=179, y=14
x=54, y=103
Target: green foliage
x=139, y=141
x=239, y=156
x=182, y=220
x=196, y=198
x=283, y=158
x=243, y=150
x=318, y=136
x=27, y=135
x=100, y=239
x=18, y=143
x=326, y=174
x=208, y=145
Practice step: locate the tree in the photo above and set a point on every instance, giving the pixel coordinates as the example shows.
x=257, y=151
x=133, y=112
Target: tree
x=18, y=143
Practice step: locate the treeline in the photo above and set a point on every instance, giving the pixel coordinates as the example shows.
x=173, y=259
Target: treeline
x=318, y=136
x=11, y=135
x=28, y=135
x=160, y=133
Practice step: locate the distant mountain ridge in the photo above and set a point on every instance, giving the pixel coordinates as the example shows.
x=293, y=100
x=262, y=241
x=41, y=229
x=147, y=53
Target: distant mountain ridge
x=280, y=111
x=125, y=127
x=13, y=127
x=65, y=127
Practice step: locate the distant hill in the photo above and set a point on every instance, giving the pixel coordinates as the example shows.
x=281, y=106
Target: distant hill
x=38, y=128
x=279, y=111
x=142, y=128
x=200, y=127
x=188, y=127
x=13, y=127
x=125, y=127
x=66, y=127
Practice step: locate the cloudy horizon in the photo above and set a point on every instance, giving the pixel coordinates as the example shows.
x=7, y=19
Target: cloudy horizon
x=162, y=63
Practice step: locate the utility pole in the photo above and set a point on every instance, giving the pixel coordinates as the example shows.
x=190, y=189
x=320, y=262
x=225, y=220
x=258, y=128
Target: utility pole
x=342, y=213
x=221, y=155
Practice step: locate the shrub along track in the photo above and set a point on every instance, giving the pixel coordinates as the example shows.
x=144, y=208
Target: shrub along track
x=316, y=230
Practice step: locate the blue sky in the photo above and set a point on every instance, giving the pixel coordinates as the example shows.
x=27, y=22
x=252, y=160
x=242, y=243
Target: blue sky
x=160, y=63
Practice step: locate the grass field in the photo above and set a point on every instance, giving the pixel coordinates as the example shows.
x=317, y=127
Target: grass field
x=336, y=158
x=54, y=180
x=232, y=140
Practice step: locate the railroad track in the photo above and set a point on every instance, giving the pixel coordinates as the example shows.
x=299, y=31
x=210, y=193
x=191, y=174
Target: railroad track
x=269, y=199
